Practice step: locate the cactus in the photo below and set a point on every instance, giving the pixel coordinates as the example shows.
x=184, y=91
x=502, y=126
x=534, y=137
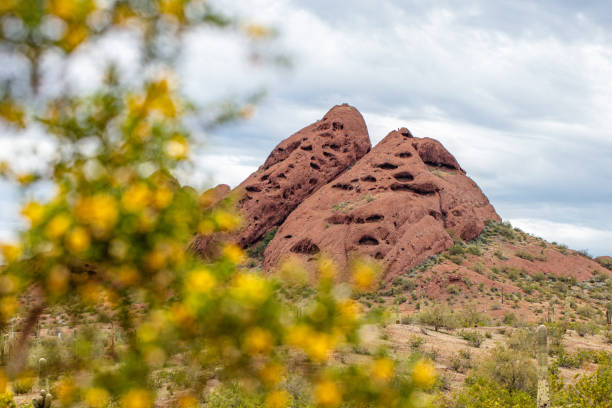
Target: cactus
x=609, y=313
x=42, y=373
x=44, y=401
x=542, y=344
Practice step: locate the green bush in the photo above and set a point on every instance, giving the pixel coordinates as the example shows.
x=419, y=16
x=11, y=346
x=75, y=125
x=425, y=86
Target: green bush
x=591, y=391
x=6, y=400
x=473, y=338
x=257, y=250
x=23, y=385
x=515, y=371
x=525, y=255
x=484, y=393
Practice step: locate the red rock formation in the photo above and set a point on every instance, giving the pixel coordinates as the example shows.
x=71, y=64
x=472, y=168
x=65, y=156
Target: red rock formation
x=296, y=168
x=400, y=203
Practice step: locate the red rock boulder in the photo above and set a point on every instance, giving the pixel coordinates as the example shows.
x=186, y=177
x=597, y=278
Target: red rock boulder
x=401, y=203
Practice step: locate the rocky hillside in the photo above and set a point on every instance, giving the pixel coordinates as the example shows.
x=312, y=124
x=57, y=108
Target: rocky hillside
x=407, y=203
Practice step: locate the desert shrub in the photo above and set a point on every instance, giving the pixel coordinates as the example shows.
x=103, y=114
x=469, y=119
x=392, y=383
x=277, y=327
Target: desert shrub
x=437, y=316
x=469, y=316
x=23, y=385
x=525, y=255
x=482, y=392
x=473, y=250
x=511, y=369
x=452, y=289
x=257, y=250
x=416, y=342
x=591, y=391
x=462, y=361
x=456, y=259
x=499, y=255
x=509, y=318
x=473, y=338
x=608, y=336
x=522, y=341
x=457, y=249
x=539, y=276
x=6, y=400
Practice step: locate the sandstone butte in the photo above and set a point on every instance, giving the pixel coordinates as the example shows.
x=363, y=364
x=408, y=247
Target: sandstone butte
x=296, y=168
x=404, y=201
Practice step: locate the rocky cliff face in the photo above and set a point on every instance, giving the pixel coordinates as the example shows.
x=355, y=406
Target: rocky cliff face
x=401, y=203
x=295, y=169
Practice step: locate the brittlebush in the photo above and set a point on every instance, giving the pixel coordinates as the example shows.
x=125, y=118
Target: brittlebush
x=113, y=239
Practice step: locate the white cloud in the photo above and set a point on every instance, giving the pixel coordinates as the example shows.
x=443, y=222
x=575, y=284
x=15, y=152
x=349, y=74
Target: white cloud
x=575, y=236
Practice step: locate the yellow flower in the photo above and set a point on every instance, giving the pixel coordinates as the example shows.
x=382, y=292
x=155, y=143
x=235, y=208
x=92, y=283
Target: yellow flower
x=162, y=197
x=142, y=131
x=382, y=369
x=64, y=390
x=6, y=6
x=201, y=281
x=176, y=148
x=97, y=397
x=57, y=280
x=206, y=227
x=136, y=197
x=424, y=374
x=278, y=399
x=319, y=346
x=250, y=287
x=257, y=31
x=137, y=398
x=127, y=275
x=327, y=394
x=57, y=226
x=26, y=178
x=188, y=401
x=10, y=253
x=12, y=112
x=299, y=335
x=234, y=253
x=8, y=307
x=364, y=275
x=327, y=269
x=349, y=310
x=99, y=211
x=34, y=212
x=78, y=240
x=257, y=341
x=3, y=382
x=226, y=221
x=272, y=373
x=74, y=36
x=173, y=7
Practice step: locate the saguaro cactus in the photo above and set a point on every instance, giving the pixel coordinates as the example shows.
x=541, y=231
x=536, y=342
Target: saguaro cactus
x=542, y=344
x=42, y=373
x=44, y=401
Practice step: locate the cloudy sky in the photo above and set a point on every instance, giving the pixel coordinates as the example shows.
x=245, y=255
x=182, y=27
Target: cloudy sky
x=519, y=91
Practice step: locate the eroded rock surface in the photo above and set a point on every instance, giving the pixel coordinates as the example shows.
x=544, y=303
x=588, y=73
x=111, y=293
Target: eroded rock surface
x=296, y=168
x=401, y=203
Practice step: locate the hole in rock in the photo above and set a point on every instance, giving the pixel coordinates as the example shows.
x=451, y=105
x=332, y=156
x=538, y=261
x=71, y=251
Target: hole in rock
x=375, y=218
x=305, y=246
x=315, y=166
x=404, y=155
x=338, y=126
x=323, y=126
x=406, y=134
x=313, y=181
x=386, y=166
x=288, y=236
x=282, y=175
x=307, y=147
x=253, y=189
x=343, y=186
x=379, y=255
x=403, y=176
x=371, y=179
x=265, y=177
x=326, y=134
x=339, y=219
x=368, y=240
x=328, y=154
